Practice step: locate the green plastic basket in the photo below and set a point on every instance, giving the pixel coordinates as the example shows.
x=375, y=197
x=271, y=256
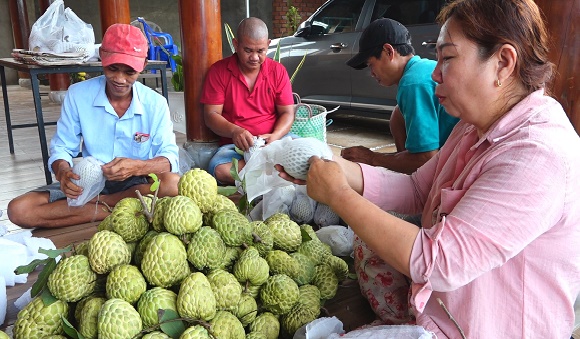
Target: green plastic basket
x=310, y=120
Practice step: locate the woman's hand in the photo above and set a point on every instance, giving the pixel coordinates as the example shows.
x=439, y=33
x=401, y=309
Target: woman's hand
x=325, y=180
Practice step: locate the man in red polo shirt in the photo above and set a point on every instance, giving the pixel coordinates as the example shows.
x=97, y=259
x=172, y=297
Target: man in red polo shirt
x=246, y=95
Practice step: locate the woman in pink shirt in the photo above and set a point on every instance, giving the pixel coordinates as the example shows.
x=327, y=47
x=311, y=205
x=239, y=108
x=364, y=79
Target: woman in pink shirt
x=500, y=239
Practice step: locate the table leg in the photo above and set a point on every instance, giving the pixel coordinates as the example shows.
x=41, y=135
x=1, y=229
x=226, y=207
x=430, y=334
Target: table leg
x=7, y=110
x=40, y=122
x=164, y=82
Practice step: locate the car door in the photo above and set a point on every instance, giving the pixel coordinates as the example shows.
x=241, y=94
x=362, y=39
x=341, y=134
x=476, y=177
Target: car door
x=419, y=18
x=327, y=39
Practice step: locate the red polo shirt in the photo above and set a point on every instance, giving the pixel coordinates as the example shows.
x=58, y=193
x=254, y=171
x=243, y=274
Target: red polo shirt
x=255, y=111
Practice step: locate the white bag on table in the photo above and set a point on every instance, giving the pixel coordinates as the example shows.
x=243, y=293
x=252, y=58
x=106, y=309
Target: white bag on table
x=60, y=30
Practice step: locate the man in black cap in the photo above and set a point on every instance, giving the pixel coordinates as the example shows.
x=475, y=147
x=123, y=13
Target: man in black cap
x=419, y=124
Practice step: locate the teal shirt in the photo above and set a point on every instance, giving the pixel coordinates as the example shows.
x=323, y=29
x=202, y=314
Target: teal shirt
x=427, y=123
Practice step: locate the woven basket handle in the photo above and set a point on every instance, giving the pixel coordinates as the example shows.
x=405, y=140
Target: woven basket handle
x=307, y=107
x=297, y=97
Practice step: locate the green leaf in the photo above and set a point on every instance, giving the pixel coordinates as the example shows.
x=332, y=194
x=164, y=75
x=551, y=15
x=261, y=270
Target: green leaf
x=230, y=37
x=55, y=253
x=47, y=297
x=169, y=325
x=234, y=170
x=297, y=68
x=154, y=177
x=305, y=235
x=70, y=330
x=31, y=266
x=277, y=54
x=40, y=283
x=154, y=186
x=243, y=204
x=227, y=190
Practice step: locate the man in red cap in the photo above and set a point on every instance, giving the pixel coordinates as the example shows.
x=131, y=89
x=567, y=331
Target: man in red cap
x=119, y=121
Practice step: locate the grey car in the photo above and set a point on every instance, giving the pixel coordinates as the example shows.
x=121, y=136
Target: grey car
x=330, y=37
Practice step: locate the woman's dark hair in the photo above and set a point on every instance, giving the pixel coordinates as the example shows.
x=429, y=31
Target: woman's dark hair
x=493, y=23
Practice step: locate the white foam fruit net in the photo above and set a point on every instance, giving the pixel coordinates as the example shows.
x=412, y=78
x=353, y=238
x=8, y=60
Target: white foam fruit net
x=91, y=180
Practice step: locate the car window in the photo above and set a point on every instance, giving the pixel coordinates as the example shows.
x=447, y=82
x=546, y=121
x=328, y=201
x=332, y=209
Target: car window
x=407, y=12
x=340, y=17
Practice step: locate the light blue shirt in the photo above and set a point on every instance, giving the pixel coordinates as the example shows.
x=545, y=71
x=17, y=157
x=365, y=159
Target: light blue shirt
x=144, y=132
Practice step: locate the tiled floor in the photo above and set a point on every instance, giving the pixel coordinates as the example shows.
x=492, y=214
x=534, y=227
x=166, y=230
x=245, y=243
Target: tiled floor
x=23, y=171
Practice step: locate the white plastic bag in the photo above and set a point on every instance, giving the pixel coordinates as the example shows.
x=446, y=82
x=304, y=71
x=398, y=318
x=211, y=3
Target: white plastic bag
x=259, y=173
x=60, y=30
x=339, y=238
x=92, y=180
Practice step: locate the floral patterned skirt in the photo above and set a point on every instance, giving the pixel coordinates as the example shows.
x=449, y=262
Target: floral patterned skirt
x=386, y=289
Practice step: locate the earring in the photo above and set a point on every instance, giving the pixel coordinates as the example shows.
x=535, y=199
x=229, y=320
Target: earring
x=498, y=83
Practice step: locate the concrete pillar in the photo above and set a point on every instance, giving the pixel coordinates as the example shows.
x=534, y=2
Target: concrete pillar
x=201, y=41
x=20, y=29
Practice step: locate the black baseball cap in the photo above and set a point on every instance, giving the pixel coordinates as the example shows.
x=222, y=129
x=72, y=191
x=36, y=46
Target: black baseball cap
x=379, y=32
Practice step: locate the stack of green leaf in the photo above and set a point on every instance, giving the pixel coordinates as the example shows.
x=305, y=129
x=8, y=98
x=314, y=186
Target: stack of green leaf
x=190, y=266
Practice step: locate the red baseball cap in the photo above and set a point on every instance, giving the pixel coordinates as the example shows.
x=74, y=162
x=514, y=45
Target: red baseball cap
x=124, y=44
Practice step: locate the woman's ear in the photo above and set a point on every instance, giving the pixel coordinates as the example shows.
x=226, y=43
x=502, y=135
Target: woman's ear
x=507, y=57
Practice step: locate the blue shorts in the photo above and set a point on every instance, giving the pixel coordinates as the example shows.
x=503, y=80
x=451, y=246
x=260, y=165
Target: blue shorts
x=223, y=155
x=226, y=153
x=110, y=187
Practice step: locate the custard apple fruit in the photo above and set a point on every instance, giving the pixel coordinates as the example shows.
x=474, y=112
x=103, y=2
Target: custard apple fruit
x=339, y=267
x=233, y=227
x=159, y=214
x=206, y=249
x=128, y=219
x=200, y=186
x=286, y=233
x=306, y=269
x=153, y=300
x=195, y=332
x=156, y=335
x=226, y=289
x=221, y=203
x=37, y=320
x=164, y=262
x=195, y=298
x=107, y=249
x=182, y=216
x=89, y=315
x=316, y=250
x=72, y=279
x=266, y=323
x=225, y=325
x=279, y=294
x=246, y=310
x=251, y=268
x=281, y=262
x=142, y=245
x=105, y=224
x=118, y=320
x=263, y=240
x=326, y=281
x=125, y=282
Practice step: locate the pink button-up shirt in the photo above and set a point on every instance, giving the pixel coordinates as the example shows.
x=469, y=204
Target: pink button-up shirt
x=500, y=243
